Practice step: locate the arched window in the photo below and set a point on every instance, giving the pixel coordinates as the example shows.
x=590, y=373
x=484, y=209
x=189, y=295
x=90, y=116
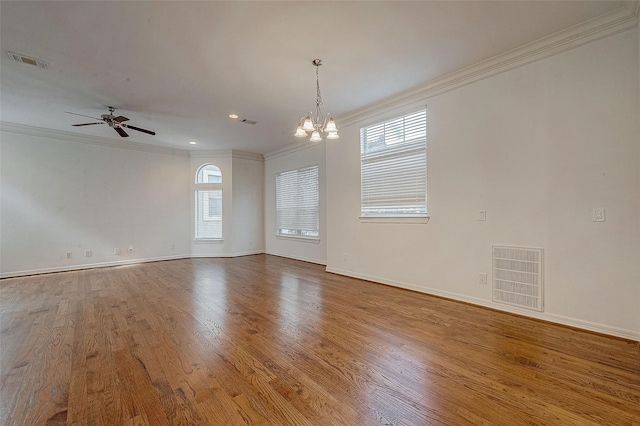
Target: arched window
x=208, y=197
x=209, y=173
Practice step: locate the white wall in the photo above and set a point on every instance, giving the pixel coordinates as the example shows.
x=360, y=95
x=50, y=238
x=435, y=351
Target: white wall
x=295, y=158
x=62, y=193
x=61, y=196
x=248, y=205
x=537, y=147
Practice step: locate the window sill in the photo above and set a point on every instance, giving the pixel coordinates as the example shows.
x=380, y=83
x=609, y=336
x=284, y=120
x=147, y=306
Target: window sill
x=383, y=219
x=302, y=239
x=208, y=240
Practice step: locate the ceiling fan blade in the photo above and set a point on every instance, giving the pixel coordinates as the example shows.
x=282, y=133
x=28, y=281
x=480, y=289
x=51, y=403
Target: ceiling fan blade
x=139, y=129
x=82, y=115
x=86, y=124
x=120, y=119
x=121, y=132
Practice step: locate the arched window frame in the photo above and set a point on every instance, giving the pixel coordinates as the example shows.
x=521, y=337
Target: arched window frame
x=208, y=202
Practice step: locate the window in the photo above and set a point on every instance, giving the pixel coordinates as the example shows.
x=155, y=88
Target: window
x=209, y=174
x=297, y=203
x=393, y=158
x=208, y=197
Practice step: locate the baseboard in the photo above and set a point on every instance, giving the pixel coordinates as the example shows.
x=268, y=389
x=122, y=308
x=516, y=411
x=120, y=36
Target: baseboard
x=304, y=259
x=239, y=254
x=118, y=263
x=557, y=319
x=89, y=266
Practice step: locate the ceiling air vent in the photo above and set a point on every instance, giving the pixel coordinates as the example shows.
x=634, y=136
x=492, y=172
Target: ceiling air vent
x=27, y=60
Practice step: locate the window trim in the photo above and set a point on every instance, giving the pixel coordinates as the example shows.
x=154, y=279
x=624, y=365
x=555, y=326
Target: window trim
x=394, y=219
x=313, y=240
x=199, y=210
x=207, y=173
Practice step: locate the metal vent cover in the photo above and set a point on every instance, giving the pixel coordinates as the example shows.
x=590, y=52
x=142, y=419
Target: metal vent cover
x=27, y=60
x=517, y=276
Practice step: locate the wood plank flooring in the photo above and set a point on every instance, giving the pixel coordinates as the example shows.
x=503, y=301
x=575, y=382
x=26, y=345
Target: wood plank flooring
x=262, y=340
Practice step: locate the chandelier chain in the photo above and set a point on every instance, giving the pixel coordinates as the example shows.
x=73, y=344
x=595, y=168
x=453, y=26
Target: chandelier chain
x=318, y=96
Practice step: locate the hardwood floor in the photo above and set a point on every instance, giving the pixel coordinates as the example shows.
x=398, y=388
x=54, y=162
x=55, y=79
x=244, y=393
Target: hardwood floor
x=262, y=340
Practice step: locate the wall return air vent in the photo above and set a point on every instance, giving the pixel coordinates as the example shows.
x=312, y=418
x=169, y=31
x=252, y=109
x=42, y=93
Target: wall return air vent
x=27, y=60
x=517, y=277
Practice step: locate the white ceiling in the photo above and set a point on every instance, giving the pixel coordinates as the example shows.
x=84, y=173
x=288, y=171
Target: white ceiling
x=181, y=67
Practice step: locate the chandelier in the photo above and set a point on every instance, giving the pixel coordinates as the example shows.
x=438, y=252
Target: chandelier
x=314, y=122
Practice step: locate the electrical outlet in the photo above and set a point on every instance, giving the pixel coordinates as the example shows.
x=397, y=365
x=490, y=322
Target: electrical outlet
x=116, y=251
x=598, y=214
x=345, y=257
x=130, y=250
x=87, y=253
x=68, y=255
x=482, y=278
x=482, y=215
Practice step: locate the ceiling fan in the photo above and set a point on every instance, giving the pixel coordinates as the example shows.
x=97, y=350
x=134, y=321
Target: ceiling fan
x=116, y=123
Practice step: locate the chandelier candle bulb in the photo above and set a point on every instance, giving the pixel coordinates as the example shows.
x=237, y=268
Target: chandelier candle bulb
x=314, y=121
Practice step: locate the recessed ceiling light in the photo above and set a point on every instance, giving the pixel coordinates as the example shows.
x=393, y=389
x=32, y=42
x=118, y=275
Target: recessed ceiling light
x=234, y=116
x=192, y=143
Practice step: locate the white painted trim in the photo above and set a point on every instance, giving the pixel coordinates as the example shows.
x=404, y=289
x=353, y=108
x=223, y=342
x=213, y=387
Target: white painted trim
x=621, y=19
x=291, y=149
x=558, y=319
x=118, y=263
x=398, y=219
x=304, y=259
x=247, y=155
x=311, y=240
x=633, y=6
x=89, y=139
x=226, y=153
x=70, y=268
x=211, y=153
x=239, y=254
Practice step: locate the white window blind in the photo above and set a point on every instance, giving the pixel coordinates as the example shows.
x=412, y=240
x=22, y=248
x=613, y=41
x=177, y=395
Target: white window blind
x=393, y=157
x=209, y=214
x=297, y=203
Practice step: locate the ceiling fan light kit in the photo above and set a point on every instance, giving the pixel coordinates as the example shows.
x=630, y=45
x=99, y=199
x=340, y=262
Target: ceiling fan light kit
x=116, y=123
x=314, y=121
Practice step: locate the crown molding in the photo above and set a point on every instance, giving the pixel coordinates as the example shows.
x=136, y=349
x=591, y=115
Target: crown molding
x=291, y=149
x=616, y=21
x=247, y=155
x=226, y=153
x=634, y=6
x=88, y=139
